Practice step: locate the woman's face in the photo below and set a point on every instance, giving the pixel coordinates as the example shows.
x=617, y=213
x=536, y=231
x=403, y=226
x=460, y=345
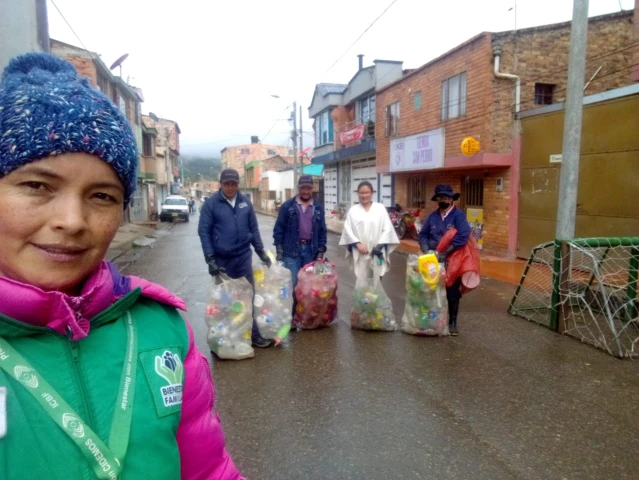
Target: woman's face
x=365, y=195
x=58, y=216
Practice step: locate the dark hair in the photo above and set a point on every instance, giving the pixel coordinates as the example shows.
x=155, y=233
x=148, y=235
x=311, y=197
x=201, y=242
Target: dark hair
x=365, y=184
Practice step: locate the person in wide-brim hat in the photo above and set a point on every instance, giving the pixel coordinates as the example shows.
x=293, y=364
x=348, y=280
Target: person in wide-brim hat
x=434, y=228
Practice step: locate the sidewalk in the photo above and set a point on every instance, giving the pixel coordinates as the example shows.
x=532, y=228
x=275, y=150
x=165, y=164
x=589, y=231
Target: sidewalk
x=125, y=238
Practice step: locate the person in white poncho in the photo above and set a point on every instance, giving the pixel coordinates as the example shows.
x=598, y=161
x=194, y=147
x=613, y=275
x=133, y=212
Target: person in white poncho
x=368, y=232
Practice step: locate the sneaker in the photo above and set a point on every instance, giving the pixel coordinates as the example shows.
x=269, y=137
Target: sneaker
x=262, y=343
x=453, y=330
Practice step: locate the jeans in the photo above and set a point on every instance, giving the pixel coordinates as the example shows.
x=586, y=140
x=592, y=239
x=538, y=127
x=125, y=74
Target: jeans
x=238, y=267
x=304, y=257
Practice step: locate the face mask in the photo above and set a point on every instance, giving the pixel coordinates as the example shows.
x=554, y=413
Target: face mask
x=444, y=205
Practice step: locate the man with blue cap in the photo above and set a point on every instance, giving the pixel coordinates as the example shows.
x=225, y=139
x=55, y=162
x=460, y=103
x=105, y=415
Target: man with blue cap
x=228, y=227
x=438, y=222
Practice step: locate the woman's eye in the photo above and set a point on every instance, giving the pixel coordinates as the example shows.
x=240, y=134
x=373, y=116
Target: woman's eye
x=105, y=197
x=38, y=186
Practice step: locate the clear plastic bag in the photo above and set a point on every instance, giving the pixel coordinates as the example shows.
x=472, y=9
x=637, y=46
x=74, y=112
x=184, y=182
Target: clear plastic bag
x=273, y=299
x=372, y=308
x=229, y=317
x=426, y=311
x=316, y=294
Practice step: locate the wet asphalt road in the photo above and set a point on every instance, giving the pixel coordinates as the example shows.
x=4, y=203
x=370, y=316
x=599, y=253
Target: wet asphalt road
x=505, y=400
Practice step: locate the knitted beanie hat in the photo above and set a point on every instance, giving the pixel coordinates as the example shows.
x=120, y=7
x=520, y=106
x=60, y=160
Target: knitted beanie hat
x=46, y=108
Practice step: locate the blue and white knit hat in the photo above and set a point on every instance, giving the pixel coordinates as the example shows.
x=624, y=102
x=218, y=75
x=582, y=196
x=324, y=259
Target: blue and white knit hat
x=46, y=108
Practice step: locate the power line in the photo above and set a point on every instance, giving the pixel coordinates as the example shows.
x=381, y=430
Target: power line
x=69, y=25
x=358, y=38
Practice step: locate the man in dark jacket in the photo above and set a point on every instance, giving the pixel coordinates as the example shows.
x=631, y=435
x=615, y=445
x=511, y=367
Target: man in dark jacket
x=227, y=229
x=434, y=228
x=299, y=235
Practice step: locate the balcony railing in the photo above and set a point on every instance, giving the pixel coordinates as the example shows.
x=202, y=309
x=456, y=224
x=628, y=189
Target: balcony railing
x=354, y=133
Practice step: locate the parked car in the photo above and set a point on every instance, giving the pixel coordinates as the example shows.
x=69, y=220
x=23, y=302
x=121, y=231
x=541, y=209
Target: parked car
x=174, y=207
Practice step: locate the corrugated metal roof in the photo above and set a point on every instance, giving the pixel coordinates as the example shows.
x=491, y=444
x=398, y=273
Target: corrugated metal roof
x=327, y=88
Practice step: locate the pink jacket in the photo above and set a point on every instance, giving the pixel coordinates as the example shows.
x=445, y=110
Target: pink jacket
x=200, y=439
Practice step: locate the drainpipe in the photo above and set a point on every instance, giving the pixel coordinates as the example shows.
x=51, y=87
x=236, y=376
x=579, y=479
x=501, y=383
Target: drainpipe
x=509, y=76
x=515, y=174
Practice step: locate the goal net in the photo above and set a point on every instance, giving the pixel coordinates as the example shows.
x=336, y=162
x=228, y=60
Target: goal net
x=585, y=288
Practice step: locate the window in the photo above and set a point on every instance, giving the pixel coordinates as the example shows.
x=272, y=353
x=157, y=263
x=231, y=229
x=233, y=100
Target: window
x=416, y=188
x=290, y=152
x=543, y=93
x=114, y=95
x=344, y=180
x=323, y=129
x=272, y=152
x=392, y=119
x=148, y=145
x=417, y=101
x=367, y=109
x=454, y=97
x=175, y=201
x=103, y=84
x=473, y=192
x=244, y=151
x=122, y=105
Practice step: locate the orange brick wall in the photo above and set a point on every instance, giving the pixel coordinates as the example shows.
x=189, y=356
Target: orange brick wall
x=475, y=60
x=496, y=215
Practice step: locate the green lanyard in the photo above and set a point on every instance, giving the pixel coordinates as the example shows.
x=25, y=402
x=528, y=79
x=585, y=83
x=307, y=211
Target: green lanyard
x=105, y=461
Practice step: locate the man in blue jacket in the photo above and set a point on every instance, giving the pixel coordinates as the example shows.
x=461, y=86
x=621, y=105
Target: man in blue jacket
x=227, y=229
x=299, y=234
x=434, y=228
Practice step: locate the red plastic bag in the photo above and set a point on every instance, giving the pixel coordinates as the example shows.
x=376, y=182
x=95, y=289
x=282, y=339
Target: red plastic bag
x=463, y=262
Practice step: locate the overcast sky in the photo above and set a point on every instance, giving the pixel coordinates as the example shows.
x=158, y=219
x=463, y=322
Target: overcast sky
x=213, y=66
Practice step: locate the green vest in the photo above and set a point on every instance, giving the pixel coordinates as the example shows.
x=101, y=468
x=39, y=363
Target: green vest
x=87, y=375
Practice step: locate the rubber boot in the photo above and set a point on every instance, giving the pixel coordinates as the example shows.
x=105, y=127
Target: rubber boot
x=453, y=308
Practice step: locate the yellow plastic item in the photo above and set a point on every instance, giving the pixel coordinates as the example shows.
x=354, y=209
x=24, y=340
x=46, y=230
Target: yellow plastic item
x=429, y=269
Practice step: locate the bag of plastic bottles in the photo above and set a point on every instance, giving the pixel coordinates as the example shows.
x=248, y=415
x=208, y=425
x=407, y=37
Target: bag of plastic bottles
x=316, y=294
x=273, y=299
x=229, y=317
x=372, y=309
x=426, y=311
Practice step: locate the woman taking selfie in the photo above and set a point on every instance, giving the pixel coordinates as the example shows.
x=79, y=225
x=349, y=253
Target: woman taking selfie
x=99, y=375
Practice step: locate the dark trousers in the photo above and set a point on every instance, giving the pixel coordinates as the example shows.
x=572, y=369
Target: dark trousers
x=453, y=295
x=304, y=257
x=238, y=267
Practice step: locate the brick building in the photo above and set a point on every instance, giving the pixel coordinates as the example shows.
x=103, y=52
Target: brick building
x=160, y=157
x=240, y=156
x=423, y=117
x=344, y=123
x=125, y=96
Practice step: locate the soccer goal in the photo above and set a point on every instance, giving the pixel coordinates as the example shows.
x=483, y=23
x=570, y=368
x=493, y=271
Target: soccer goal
x=585, y=288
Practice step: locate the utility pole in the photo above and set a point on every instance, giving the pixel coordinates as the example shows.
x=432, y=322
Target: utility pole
x=301, y=144
x=24, y=27
x=569, y=180
x=294, y=138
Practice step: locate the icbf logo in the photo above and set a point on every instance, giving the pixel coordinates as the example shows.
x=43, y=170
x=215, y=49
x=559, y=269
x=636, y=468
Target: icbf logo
x=242, y=205
x=169, y=367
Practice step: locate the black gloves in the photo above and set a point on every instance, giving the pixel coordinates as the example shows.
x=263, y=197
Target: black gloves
x=214, y=269
x=279, y=249
x=320, y=253
x=378, y=250
x=265, y=258
x=443, y=256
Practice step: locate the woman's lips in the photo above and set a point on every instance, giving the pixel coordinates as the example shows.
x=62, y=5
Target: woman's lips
x=60, y=252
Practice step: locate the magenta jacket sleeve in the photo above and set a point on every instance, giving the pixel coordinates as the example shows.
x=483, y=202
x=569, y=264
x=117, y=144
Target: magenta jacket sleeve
x=200, y=438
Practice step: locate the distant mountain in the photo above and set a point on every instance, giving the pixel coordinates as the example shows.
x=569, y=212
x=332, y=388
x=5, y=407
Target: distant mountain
x=206, y=167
